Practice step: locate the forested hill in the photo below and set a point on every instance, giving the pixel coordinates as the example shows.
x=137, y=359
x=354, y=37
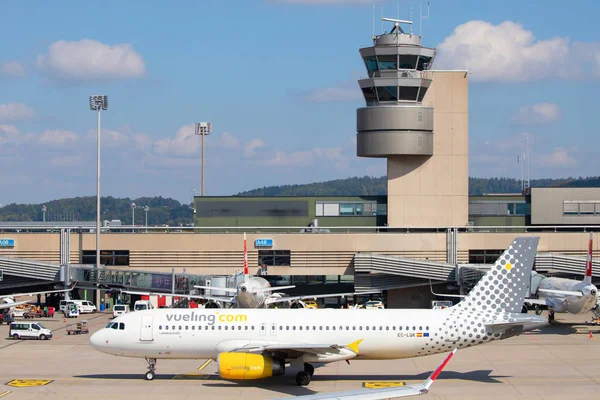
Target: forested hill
x=171, y=212
x=160, y=210
x=368, y=186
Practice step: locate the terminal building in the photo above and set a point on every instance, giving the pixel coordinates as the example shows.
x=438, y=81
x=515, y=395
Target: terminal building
x=426, y=229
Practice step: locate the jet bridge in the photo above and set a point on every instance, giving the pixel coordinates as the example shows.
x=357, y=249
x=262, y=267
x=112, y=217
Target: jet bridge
x=566, y=264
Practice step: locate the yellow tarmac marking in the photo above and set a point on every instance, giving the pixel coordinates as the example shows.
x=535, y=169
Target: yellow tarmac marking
x=5, y=393
x=28, y=382
x=205, y=364
x=382, y=384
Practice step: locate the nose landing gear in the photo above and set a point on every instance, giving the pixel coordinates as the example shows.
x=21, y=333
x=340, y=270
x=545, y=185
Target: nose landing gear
x=151, y=368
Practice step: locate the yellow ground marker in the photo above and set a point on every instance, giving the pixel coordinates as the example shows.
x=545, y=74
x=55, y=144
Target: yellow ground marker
x=28, y=382
x=5, y=393
x=204, y=365
x=382, y=384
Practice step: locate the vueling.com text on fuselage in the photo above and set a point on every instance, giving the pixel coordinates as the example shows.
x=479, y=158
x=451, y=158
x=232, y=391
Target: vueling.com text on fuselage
x=210, y=319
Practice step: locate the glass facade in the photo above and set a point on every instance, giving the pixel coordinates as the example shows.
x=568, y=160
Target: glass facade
x=347, y=209
x=581, y=207
x=107, y=257
x=280, y=258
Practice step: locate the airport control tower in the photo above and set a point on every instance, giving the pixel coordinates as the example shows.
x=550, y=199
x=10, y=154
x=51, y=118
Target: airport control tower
x=416, y=118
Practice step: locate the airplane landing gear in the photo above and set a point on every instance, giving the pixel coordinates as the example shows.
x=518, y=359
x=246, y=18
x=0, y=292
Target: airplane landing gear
x=303, y=378
x=550, y=316
x=151, y=368
x=309, y=368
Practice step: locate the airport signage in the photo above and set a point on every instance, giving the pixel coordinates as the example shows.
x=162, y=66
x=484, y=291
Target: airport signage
x=263, y=243
x=7, y=242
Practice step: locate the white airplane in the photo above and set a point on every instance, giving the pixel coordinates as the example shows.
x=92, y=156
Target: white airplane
x=381, y=393
x=252, y=292
x=561, y=295
x=258, y=343
x=8, y=300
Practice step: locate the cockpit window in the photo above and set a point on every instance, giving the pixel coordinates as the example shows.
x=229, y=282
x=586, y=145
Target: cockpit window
x=121, y=326
x=109, y=325
x=115, y=325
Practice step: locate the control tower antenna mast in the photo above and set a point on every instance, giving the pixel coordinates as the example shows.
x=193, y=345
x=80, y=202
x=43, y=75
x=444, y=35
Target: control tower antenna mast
x=422, y=17
x=373, y=36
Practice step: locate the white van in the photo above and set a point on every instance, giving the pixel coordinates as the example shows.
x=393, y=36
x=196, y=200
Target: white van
x=120, y=309
x=142, y=305
x=33, y=330
x=85, y=307
x=62, y=306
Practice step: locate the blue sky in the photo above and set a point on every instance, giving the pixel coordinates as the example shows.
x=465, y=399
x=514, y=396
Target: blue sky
x=277, y=78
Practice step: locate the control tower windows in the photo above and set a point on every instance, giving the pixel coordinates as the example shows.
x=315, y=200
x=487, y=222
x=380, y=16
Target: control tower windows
x=422, y=92
x=387, y=93
x=408, y=93
x=370, y=95
x=407, y=62
x=424, y=63
x=387, y=62
x=371, y=63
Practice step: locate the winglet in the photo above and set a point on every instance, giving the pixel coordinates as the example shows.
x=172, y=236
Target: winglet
x=354, y=345
x=438, y=370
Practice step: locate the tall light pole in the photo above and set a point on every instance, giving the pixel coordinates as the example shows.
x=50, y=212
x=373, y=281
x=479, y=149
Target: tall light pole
x=203, y=129
x=98, y=103
x=146, y=209
x=44, y=213
x=132, y=214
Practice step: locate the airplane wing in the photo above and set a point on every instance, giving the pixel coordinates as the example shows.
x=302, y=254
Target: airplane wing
x=273, y=288
x=9, y=305
x=36, y=293
x=383, y=393
x=561, y=292
x=273, y=300
x=295, y=349
x=187, y=296
x=540, y=302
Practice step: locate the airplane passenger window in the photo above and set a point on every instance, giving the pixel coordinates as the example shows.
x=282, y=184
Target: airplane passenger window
x=333, y=327
x=121, y=326
x=193, y=327
x=426, y=328
x=219, y=327
x=213, y=327
x=367, y=328
x=281, y=327
x=381, y=328
x=353, y=328
x=160, y=327
x=240, y=328
x=360, y=328
x=252, y=327
x=166, y=327
x=347, y=328
x=287, y=328
x=327, y=328
x=393, y=328
x=408, y=328
x=246, y=327
x=179, y=327
x=173, y=327
x=294, y=327
x=420, y=328
x=320, y=328
x=414, y=328
x=399, y=328
x=314, y=328
x=300, y=327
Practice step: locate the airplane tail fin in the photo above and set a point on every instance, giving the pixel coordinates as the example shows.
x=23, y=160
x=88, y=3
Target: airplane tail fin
x=588, y=265
x=246, y=278
x=504, y=287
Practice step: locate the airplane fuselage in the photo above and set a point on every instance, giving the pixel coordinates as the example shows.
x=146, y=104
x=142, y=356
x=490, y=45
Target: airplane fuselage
x=384, y=334
x=565, y=303
x=248, y=295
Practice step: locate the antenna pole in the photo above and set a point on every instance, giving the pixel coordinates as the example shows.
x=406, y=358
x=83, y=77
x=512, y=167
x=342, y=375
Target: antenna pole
x=411, y=31
x=382, y=19
x=373, y=36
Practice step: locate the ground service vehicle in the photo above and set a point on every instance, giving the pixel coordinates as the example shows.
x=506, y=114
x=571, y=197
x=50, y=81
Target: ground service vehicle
x=29, y=330
x=141, y=305
x=120, y=309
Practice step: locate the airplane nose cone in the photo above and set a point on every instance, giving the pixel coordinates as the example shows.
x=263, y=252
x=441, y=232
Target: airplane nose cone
x=97, y=340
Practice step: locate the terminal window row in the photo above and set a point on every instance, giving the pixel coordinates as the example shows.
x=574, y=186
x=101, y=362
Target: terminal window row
x=107, y=257
x=581, y=207
x=347, y=209
x=396, y=62
x=499, y=208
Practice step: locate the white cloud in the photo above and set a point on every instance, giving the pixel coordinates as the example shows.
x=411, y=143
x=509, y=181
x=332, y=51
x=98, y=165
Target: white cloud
x=15, y=111
x=66, y=161
x=89, y=60
x=227, y=140
x=508, y=52
x=9, y=131
x=110, y=138
x=305, y=157
x=142, y=141
x=185, y=143
x=251, y=147
x=11, y=69
x=57, y=138
x=334, y=94
x=537, y=114
x=560, y=157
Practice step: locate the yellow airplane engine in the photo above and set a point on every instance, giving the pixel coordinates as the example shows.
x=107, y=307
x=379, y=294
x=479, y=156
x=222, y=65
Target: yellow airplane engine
x=244, y=366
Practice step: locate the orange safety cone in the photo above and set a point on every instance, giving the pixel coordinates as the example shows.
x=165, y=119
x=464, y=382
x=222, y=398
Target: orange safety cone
x=591, y=336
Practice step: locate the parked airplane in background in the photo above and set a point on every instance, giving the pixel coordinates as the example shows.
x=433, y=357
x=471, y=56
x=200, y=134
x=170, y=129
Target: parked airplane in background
x=257, y=343
x=8, y=300
x=381, y=393
x=252, y=292
x=561, y=295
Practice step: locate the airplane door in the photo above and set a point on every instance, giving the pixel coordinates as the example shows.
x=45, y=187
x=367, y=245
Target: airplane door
x=146, y=328
x=273, y=329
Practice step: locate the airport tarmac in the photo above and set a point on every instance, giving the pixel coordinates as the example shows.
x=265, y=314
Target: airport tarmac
x=561, y=361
